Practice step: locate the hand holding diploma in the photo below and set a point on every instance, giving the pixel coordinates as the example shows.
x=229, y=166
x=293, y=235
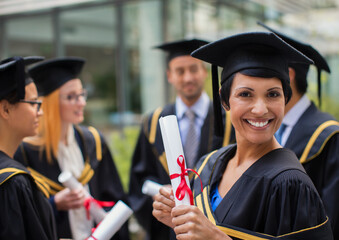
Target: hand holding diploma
x=175, y=160
x=95, y=210
x=186, y=220
x=163, y=205
x=67, y=199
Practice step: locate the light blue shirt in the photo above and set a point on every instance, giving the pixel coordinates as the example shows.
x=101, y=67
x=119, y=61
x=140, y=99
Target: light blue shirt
x=200, y=108
x=293, y=115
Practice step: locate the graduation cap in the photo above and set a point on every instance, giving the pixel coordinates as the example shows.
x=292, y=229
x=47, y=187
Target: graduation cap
x=13, y=75
x=319, y=61
x=252, y=50
x=52, y=74
x=181, y=48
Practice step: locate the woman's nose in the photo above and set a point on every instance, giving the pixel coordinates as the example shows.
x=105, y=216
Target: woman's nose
x=260, y=107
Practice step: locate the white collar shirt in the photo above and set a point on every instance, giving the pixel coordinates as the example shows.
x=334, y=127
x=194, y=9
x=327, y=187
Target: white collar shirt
x=200, y=109
x=293, y=115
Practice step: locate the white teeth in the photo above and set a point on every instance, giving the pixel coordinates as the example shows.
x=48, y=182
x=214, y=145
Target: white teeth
x=257, y=124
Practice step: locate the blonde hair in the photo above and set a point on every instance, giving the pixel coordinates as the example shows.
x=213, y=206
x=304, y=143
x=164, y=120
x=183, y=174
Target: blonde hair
x=50, y=126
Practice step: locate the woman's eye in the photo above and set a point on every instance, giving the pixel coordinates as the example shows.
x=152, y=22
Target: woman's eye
x=70, y=97
x=244, y=94
x=274, y=94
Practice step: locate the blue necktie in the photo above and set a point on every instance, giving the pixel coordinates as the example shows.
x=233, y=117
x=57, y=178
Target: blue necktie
x=280, y=132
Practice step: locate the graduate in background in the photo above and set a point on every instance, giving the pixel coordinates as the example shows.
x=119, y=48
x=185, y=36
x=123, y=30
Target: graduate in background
x=302, y=119
x=254, y=189
x=63, y=145
x=25, y=211
x=187, y=75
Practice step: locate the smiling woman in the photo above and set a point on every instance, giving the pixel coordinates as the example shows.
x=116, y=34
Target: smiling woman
x=63, y=145
x=254, y=189
x=257, y=108
x=72, y=102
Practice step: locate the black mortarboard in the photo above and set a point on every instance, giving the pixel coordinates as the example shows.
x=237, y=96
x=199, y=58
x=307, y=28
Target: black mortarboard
x=181, y=48
x=319, y=61
x=52, y=74
x=13, y=74
x=253, y=50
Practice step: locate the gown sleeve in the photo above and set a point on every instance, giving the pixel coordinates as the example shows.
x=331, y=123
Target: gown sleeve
x=24, y=211
x=329, y=188
x=106, y=178
x=107, y=185
x=295, y=206
x=146, y=166
x=140, y=171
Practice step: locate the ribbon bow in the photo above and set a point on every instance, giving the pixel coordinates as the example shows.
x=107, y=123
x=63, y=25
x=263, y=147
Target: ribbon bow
x=87, y=204
x=183, y=187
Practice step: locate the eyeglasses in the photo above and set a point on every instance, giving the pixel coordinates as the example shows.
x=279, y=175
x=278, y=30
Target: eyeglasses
x=74, y=98
x=33, y=102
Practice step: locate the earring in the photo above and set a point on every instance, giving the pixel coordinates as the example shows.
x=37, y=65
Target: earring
x=227, y=108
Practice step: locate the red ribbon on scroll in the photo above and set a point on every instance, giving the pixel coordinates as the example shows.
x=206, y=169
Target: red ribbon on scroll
x=183, y=187
x=87, y=204
x=92, y=237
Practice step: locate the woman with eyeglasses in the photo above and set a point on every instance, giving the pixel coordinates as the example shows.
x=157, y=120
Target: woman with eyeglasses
x=64, y=145
x=24, y=209
x=254, y=189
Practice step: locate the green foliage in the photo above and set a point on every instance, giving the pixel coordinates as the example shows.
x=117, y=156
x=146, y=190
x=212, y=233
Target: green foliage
x=331, y=106
x=328, y=104
x=105, y=87
x=122, y=145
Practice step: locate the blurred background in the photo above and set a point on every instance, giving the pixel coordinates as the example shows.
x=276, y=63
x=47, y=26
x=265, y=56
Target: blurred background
x=125, y=76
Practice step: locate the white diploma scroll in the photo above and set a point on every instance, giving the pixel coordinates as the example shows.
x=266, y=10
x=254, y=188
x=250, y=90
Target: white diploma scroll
x=115, y=218
x=69, y=181
x=150, y=188
x=173, y=148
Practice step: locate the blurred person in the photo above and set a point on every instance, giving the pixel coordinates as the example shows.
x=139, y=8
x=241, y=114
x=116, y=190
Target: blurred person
x=312, y=134
x=64, y=145
x=254, y=189
x=25, y=211
x=187, y=75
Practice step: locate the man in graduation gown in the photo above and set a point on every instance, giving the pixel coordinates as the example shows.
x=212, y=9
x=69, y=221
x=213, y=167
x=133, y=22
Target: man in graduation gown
x=312, y=134
x=187, y=75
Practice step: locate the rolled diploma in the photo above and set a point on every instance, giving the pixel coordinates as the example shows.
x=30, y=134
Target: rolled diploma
x=173, y=148
x=150, y=188
x=113, y=221
x=69, y=181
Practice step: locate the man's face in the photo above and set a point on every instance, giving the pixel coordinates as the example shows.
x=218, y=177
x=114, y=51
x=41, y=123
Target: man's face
x=187, y=75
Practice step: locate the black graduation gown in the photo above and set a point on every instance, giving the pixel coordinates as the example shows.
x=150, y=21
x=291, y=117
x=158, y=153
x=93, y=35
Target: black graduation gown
x=25, y=211
x=274, y=198
x=149, y=163
x=322, y=161
x=101, y=175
